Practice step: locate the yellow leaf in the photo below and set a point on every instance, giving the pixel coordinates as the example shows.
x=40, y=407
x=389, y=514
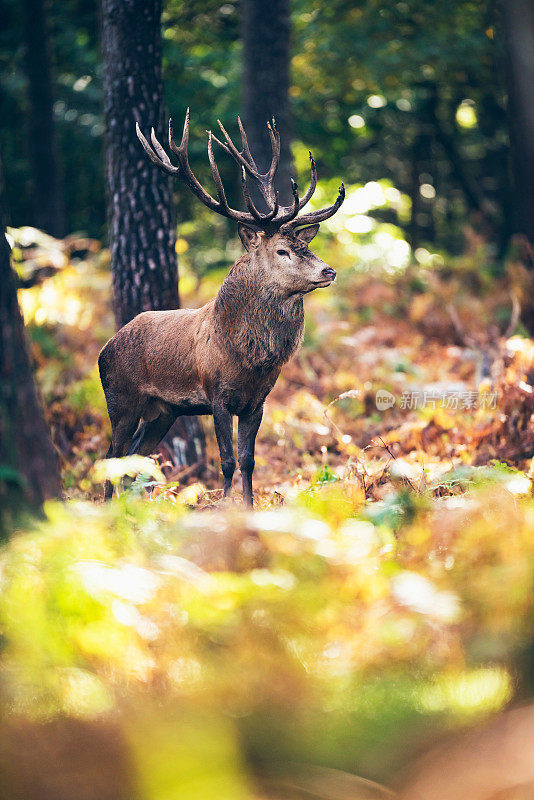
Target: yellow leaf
x=191, y=494
x=113, y=469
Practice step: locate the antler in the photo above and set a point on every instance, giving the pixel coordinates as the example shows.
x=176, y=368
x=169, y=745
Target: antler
x=276, y=216
x=157, y=154
x=244, y=157
x=324, y=213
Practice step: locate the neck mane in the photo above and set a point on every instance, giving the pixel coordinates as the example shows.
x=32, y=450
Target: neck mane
x=262, y=327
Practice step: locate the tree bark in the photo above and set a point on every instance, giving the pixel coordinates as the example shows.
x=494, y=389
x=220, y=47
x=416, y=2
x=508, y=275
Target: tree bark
x=266, y=54
x=47, y=185
x=140, y=201
x=29, y=470
x=141, y=230
x=518, y=18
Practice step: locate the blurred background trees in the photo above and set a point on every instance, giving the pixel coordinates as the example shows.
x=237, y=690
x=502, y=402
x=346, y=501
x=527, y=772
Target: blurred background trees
x=518, y=18
x=73, y=29
x=411, y=92
x=46, y=180
x=266, y=60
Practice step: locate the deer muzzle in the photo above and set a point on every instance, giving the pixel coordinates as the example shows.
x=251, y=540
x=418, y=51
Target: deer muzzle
x=328, y=274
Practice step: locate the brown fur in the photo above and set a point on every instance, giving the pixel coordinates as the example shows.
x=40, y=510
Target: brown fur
x=223, y=358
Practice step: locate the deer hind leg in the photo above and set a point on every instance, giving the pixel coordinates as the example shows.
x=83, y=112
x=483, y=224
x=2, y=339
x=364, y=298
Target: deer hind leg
x=108, y=486
x=124, y=423
x=150, y=433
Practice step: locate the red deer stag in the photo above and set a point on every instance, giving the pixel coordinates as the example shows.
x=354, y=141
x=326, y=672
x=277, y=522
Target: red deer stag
x=224, y=358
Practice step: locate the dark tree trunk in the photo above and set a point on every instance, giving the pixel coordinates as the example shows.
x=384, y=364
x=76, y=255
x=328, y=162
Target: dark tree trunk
x=140, y=201
x=47, y=187
x=266, y=53
x=518, y=17
x=422, y=162
x=29, y=470
x=141, y=230
x=415, y=197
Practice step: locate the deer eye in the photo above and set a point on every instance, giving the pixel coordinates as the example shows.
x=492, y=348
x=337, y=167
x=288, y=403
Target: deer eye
x=282, y=252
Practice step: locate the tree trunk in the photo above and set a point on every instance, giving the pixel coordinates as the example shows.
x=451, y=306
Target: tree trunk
x=518, y=18
x=415, y=197
x=141, y=226
x=29, y=470
x=266, y=53
x=48, y=203
x=141, y=230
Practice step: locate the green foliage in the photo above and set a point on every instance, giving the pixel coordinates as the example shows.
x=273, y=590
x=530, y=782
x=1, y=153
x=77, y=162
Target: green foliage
x=87, y=393
x=325, y=475
x=374, y=87
x=400, y=73
x=325, y=610
x=74, y=35
x=43, y=338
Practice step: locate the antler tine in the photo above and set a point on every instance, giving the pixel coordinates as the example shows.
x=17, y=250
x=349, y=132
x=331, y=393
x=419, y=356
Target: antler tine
x=232, y=150
x=221, y=206
x=291, y=212
x=264, y=182
x=159, y=149
x=244, y=140
x=223, y=145
x=514, y=319
x=274, y=211
x=164, y=164
x=185, y=136
x=274, y=136
x=313, y=183
x=187, y=175
x=215, y=173
x=320, y=216
x=248, y=200
x=261, y=219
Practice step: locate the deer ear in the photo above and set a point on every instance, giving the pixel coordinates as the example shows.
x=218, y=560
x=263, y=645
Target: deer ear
x=307, y=234
x=250, y=237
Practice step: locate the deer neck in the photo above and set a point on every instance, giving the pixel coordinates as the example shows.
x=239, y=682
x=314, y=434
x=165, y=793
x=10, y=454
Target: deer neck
x=262, y=327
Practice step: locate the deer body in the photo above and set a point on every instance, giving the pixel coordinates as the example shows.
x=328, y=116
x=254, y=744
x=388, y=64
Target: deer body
x=229, y=352
x=222, y=359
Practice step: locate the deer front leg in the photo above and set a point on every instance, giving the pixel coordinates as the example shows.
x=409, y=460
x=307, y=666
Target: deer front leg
x=223, y=421
x=246, y=439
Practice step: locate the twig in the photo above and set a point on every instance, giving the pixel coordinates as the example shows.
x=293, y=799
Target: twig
x=394, y=457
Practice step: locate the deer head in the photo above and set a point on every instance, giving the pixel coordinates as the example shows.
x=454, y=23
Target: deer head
x=283, y=261
x=276, y=240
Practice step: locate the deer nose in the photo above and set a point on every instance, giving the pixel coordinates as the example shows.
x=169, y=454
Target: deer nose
x=328, y=272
